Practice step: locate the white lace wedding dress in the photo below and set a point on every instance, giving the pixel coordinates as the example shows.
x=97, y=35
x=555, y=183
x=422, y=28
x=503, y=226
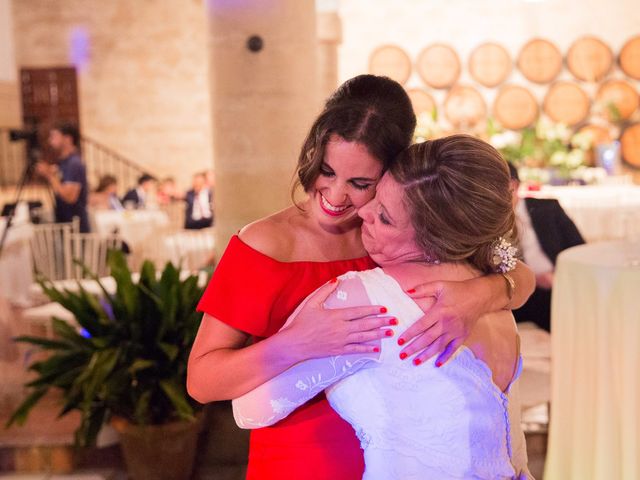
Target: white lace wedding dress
x=413, y=422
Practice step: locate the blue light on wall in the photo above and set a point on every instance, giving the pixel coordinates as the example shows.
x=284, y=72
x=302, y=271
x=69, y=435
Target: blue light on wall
x=79, y=47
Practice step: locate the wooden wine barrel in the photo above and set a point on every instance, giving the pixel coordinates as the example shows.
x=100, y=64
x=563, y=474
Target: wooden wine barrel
x=391, y=61
x=567, y=103
x=422, y=102
x=438, y=66
x=589, y=59
x=630, y=145
x=490, y=64
x=540, y=61
x=629, y=58
x=464, y=107
x=598, y=133
x=621, y=95
x=515, y=107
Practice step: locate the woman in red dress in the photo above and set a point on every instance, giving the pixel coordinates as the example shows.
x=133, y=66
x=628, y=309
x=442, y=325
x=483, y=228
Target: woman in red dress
x=275, y=262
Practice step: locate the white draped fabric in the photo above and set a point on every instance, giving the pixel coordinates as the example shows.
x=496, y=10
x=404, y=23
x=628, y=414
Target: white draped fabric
x=600, y=212
x=16, y=268
x=595, y=320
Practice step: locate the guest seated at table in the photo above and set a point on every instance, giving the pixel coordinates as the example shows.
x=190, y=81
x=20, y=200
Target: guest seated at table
x=199, y=211
x=139, y=197
x=105, y=196
x=544, y=230
x=168, y=192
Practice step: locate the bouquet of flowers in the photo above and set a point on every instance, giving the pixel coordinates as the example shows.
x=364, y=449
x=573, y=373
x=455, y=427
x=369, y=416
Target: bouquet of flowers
x=547, y=146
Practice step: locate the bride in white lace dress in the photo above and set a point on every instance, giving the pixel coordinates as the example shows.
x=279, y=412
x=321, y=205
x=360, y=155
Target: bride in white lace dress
x=437, y=214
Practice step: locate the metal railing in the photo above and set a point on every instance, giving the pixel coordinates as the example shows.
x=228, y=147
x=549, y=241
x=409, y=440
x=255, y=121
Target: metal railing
x=99, y=159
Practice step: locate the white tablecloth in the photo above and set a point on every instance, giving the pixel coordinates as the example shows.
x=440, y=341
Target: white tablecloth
x=599, y=212
x=16, y=267
x=595, y=390
x=142, y=230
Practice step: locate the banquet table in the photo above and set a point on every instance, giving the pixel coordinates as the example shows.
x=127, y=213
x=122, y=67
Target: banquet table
x=16, y=267
x=594, y=431
x=599, y=211
x=140, y=229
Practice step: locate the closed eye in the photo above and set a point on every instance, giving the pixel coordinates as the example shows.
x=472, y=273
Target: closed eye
x=326, y=171
x=361, y=186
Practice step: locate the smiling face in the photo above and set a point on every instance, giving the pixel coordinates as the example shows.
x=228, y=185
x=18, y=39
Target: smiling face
x=346, y=181
x=387, y=232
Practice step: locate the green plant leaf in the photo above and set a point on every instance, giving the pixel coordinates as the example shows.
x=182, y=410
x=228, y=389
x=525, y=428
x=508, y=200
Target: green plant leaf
x=126, y=290
x=170, y=350
x=140, y=364
x=22, y=412
x=45, y=343
x=177, y=395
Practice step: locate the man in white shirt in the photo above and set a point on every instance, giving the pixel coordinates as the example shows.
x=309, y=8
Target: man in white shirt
x=544, y=230
x=199, y=212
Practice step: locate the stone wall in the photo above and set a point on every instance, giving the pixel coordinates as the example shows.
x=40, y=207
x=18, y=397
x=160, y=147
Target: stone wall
x=9, y=101
x=142, y=74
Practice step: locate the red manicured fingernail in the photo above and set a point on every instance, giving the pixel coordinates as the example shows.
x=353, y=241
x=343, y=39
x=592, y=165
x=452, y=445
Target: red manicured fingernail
x=333, y=280
x=411, y=290
x=393, y=321
x=389, y=333
x=438, y=364
x=376, y=349
x=401, y=341
x=383, y=309
x=403, y=355
x=417, y=361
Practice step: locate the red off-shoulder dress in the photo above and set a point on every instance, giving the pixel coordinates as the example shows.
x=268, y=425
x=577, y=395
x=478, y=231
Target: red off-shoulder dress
x=254, y=293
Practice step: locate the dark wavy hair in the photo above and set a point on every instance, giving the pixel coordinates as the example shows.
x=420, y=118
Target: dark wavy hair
x=368, y=109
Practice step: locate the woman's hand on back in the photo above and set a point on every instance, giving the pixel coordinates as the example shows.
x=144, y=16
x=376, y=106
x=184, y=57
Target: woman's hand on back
x=316, y=331
x=452, y=309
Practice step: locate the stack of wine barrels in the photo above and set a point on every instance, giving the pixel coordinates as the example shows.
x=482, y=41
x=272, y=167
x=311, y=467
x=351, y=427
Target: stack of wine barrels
x=588, y=81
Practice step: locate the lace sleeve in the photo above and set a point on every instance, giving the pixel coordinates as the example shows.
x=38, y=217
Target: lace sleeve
x=274, y=400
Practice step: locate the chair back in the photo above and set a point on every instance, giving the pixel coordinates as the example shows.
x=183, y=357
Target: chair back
x=91, y=249
x=51, y=249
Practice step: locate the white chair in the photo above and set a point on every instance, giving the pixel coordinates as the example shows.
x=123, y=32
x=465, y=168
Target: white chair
x=90, y=250
x=51, y=249
x=535, y=381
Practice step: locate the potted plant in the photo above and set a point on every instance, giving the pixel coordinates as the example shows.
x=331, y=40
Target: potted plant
x=125, y=362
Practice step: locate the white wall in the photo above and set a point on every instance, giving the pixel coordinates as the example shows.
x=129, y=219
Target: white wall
x=464, y=24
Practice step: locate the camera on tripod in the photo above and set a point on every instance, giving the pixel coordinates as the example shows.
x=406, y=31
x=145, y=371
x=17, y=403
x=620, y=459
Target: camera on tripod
x=29, y=136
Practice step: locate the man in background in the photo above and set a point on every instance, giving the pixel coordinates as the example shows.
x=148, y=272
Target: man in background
x=544, y=230
x=140, y=197
x=199, y=211
x=67, y=177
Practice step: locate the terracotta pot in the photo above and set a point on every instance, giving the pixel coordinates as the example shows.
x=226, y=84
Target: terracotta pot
x=161, y=452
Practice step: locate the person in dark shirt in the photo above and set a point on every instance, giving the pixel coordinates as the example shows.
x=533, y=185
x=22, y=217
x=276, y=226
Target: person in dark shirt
x=199, y=210
x=68, y=176
x=138, y=198
x=544, y=230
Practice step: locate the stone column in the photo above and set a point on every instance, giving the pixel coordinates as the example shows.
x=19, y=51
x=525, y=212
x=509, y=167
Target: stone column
x=263, y=100
x=329, y=38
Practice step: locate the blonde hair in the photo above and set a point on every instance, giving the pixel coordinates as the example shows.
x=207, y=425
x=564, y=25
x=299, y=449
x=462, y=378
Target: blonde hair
x=457, y=190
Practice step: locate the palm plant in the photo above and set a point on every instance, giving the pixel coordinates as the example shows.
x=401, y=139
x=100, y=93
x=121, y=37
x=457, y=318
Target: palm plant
x=127, y=357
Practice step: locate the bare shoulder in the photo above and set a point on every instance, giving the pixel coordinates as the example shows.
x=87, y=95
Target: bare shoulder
x=272, y=235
